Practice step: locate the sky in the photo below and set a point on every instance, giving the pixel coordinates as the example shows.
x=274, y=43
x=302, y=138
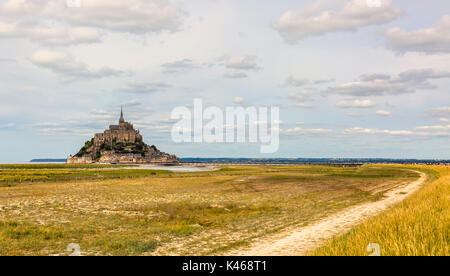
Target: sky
x=352, y=78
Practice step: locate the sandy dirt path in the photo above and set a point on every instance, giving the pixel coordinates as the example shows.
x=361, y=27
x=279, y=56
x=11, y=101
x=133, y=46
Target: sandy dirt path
x=300, y=241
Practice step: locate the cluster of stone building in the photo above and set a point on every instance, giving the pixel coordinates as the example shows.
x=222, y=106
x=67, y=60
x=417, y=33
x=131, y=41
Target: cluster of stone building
x=122, y=133
x=120, y=144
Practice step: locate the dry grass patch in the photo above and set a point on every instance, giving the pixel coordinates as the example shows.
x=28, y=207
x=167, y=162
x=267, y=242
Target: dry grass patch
x=419, y=226
x=140, y=212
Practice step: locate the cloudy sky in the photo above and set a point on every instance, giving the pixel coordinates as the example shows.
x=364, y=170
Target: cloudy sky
x=353, y=78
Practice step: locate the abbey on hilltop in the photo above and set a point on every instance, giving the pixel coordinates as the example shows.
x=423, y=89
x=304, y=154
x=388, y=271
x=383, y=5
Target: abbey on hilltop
x=120, y=144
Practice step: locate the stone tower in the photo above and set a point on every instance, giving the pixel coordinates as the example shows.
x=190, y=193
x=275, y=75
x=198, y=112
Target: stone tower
x=121, y=120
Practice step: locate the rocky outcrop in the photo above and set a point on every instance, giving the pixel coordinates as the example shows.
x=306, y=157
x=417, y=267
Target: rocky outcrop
x=120, y=144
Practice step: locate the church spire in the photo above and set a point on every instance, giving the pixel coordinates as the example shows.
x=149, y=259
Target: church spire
x=121, y=120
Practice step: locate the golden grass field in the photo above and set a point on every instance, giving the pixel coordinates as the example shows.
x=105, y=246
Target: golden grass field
x=109, y=210
x=419, y=226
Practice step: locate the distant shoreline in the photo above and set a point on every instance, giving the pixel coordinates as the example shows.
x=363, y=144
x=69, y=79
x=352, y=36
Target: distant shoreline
x=285, y=161
x=62, y=160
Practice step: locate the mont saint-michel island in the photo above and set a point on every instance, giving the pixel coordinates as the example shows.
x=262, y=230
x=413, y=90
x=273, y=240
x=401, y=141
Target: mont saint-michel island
x=249, y=130
x=120, y=144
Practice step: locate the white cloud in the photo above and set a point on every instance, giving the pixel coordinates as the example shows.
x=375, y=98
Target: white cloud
x=296, y=82
x=236, y=75
x=316, y=19
x=438, y=127
x=293, y=81
x=68, y=128
x=302, y=96
x=178, y=66
x=50, y=35
x=8, y=30
x=359, y=130
x=304, y=105
x=246, y=63
x=85, y=124
x=382, y=84
x=47, y=124
x=134, y=16
x=356, y=104
x=63, y=63
x=324, y=81
x=374, y=77
x=145, y=87
x=302, y=99
x=384, y=113
x=133, y=103
x=77, y=131
x=299, y=130
x=15, y=8
x=439, y=112
x=421, y=75
x=63, y=36
x=238, y=100
x=8, y=125
x=354, y=115
x=52, y=22
x=428, y=40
